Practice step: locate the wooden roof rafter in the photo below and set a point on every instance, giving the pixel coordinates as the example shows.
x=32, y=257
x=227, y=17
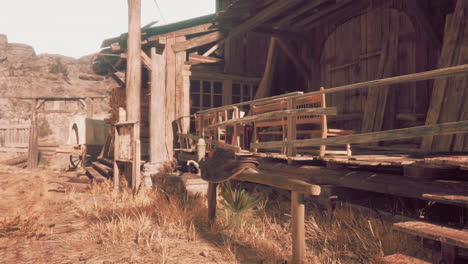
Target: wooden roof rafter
x=322, y=13
x=265, y=15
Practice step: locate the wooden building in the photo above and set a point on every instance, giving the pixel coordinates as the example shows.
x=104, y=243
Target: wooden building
x=393, y=72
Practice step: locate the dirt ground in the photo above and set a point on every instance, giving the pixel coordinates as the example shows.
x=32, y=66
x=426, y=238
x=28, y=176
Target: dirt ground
x=39, y=224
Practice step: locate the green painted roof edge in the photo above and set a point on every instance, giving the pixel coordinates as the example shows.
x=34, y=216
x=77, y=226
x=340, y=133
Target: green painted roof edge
x=154, y=31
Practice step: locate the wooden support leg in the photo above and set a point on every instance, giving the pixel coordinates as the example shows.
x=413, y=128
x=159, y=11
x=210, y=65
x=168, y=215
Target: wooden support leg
x=212, y=196
x=116, y=173
x=298, y=229
x=447, y=255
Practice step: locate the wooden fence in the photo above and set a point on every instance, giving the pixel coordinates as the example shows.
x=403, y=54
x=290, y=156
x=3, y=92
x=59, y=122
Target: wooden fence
x=14, y=138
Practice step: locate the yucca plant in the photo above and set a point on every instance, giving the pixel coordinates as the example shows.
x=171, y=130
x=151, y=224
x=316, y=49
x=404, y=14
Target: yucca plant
x=236, y=202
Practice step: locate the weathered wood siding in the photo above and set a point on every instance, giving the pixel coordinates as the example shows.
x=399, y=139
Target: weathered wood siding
x=352, y=53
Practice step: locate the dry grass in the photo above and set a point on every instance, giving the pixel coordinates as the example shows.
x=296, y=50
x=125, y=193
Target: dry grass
x=148, y=220
x=22, y=225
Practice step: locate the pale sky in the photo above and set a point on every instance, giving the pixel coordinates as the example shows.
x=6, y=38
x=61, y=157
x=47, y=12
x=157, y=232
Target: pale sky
x=77, y=27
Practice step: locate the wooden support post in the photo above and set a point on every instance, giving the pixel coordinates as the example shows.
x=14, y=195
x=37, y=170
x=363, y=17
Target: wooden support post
x=291, y=134
x=116, y=171
x=237, y=128
x=324, y=124
x=212, y=197
x=133, y=83
x=33, y=150
x=136, y=166
x=158, y=151
x=133, y=79
x=298, y=227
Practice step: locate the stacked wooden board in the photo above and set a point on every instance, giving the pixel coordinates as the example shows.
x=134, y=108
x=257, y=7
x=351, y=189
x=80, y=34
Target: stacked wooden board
x=449, y=100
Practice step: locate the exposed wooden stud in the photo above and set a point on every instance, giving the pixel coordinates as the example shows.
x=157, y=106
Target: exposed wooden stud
x=184, y=32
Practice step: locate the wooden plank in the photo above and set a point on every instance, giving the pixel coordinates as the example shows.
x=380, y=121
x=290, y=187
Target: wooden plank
x=278, y=181
x=184, y=32
x=395, y=134
x=196, y=42
x=323, y=124
x=446, y=235
x=265, y=84
x=203, y=59
x=281, y=113
x=133, y=73
x=453, y=31
x=427, y=75
x=402, y=259
x=170, y=94
x=158, y=151
x=182, y=90
x=298, y=227
x=262, y=16
x=224, y=76
x=146, y=60
x=253, y=102
x=376, y=102
x=369, y=181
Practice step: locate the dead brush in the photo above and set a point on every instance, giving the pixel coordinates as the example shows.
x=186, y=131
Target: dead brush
x=145, y=219
x=29, y=227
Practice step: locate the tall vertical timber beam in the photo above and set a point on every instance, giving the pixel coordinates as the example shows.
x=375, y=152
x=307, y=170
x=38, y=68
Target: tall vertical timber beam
x=133, y=79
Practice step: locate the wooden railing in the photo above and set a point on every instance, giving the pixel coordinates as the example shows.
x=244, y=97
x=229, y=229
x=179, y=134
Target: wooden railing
x=14, y=138
x=213, y=124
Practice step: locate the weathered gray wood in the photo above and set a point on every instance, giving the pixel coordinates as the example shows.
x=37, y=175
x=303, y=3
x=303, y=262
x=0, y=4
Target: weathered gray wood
x=395, y=134
x=133, y=76
x=158, y=151
x=446, y=235
x=275, y=114
x=371, y=181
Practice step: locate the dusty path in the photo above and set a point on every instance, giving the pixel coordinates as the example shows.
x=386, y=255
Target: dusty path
x=38, y=224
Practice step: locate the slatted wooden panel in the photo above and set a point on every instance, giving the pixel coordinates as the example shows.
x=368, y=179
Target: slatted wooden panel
x=14, y=136
x=351, y=54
